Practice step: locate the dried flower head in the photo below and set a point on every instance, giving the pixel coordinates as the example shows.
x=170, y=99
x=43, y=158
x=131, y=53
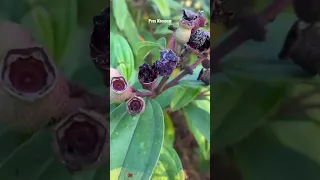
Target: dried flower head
x=200, y=40
x=167, y=63
x=120, y=90
x=99, y=45
x=148, y=76
x=81, y=140
x=28, y=73
x=136, y=105
x=196, y=20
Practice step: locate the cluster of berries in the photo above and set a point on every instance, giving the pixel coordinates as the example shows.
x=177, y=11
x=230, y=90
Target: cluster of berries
x=187, y=35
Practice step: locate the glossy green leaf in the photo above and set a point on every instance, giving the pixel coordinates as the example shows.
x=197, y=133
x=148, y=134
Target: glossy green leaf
x=169, y=166
x=131, y=32
x=183, y=97
x=38, y=20
x=166, y=97
x=120, y=12
x=247, y=112
x=169, y=133
x=135, y=141
x=163, y=7
x=52, y=169
x=300, y=136
x=144, y=48
x=124, y=56
x=26, y=160
x=199, y=118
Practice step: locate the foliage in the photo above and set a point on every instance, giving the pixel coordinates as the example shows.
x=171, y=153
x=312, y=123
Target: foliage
x=267, y=117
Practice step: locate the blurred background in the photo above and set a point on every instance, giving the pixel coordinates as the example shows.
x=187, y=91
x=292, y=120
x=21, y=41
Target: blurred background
x=266, y=111
x=64, y=29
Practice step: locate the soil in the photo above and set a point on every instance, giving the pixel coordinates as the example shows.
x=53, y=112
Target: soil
x=185, y=145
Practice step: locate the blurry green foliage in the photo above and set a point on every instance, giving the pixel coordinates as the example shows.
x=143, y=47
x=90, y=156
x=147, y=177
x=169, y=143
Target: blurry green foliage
x=266, y=110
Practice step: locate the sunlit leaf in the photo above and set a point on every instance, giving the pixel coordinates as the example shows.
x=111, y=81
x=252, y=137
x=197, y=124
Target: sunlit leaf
x=135, y=142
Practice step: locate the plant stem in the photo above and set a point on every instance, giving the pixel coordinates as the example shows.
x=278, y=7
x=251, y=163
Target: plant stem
x=176, y=80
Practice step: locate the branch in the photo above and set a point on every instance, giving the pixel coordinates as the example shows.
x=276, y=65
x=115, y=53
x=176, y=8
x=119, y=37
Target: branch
x=241, y=35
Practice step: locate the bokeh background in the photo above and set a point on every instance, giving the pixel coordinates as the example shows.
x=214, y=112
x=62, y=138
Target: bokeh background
x=265, y=120
x=64, y=29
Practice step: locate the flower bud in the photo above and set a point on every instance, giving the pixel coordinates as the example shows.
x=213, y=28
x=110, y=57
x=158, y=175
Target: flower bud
x=100, y=38
x=167, y=63
x=204, y=76
x=120, y=90
x=199, y=40
x=148, y=77
x=81, y=140
x=32, y=91
x=14, y=36
x=136, y=105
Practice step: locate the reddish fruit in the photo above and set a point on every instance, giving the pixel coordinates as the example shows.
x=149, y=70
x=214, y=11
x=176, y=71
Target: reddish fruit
x=32, y=91
x=136, y=105
x=120, y=90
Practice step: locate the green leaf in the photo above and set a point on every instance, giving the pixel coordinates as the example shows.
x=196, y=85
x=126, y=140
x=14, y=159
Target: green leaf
x=120, y=12
x=300, y=136
x=124, y=56
x=25, y=161
x=183, y=97
x=9, y=141
x=162, y=29
x=89, y=10
x=169, y=166
x=135, y=141
x=13, y=10
x=163, y=7
x=131, y=32
x=249, y=109
x=169, y=133
x=64, y=23
x=198, y=118
x=262, y=157
x=165, y=98
x=144, y=48
x=38, y=20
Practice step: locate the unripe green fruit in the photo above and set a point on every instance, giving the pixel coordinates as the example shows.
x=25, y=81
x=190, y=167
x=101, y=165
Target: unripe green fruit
x=183, y=33
x=182, y=36
x=32, y=91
